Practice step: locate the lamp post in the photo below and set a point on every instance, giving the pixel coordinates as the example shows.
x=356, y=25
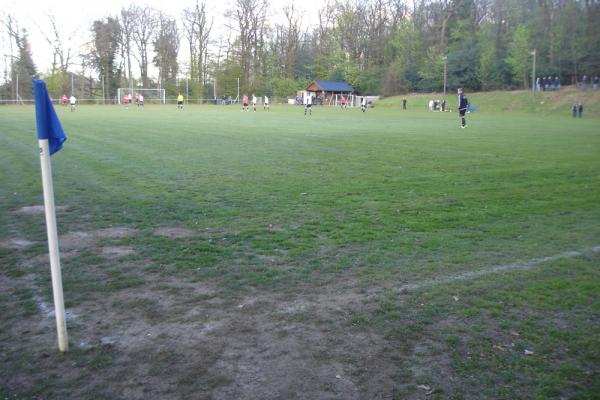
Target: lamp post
x=533, y=76
x=445, y=58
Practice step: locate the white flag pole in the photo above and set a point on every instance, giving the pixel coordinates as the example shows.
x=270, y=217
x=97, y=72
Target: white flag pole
x=57, y=289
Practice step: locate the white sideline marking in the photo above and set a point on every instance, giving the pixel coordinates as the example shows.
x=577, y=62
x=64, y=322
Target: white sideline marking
x=496, y=269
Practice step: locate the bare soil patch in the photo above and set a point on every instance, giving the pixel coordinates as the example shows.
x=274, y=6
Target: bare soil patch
x=174, y=232
x=81, y=240
x=178, y=339
x=117, y=251
x=16, y=243
x=37, y=209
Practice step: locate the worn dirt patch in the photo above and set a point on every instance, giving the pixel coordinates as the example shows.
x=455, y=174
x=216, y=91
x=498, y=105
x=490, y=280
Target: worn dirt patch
x=37, y=209
x=117, y=251
x=81, y=240
x=174, y=338
x=174, y=232
x=16, y=243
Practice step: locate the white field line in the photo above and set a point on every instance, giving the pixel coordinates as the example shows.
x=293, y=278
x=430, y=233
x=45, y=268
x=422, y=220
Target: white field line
x=498, y=268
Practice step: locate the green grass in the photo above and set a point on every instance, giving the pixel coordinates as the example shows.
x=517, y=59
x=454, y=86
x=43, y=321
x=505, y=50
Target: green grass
x=281, y=201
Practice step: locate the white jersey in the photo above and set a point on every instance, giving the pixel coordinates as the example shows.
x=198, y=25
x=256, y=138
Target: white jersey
x=308, y=100
x=266, y=100
x=72, y=100
x=253, y=99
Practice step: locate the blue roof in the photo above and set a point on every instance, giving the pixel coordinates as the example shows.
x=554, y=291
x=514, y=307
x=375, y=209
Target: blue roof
x=334, y=86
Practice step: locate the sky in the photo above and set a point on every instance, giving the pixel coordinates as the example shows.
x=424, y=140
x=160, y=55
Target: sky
x=74, y=19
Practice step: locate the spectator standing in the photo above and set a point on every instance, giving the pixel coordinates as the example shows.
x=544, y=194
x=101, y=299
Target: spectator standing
x=584, y=82
x=595, y=83
x=580, y=110
x=463, y=105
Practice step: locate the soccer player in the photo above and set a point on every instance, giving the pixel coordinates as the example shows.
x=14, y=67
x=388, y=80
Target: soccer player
x=254, y=100
x=463, y=105
x=180, y=101
x=266, y=104
x=245, y=103
x=63, y=100
x=141, y=100
x=363, y=104
x=343, y=103
x=73, y=102
x=308, y=104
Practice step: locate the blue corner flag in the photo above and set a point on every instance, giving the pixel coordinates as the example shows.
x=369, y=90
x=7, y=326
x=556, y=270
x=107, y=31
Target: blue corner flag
x=46, y=120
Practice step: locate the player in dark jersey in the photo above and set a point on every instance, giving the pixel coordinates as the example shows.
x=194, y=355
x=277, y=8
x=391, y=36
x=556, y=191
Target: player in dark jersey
x=463, y=105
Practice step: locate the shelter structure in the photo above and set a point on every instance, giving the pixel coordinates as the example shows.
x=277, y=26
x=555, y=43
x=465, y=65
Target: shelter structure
x=330, y=92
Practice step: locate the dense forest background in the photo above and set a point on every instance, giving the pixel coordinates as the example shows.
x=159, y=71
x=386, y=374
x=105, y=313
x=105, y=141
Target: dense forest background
x=383, y=47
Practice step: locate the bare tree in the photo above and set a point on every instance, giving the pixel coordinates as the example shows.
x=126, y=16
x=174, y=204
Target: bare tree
x=128, y=18
x=144, y=29
x=197, y=29
x=288, y=40
x=250, y=18
x=61, y=51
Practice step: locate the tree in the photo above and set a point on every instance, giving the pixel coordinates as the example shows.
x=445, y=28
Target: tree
x=105, y=47
x=287, y=42
x=197, y=28
x=519, y=55
x=24, y=69
x=144, y=29
x=249, y=17
x=166, y=48
x=128, y=21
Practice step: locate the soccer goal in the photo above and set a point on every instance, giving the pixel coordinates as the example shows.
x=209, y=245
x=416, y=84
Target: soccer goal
x=151, y=96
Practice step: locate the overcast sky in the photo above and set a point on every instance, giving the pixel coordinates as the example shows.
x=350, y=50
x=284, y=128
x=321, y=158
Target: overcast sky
x=74, y=19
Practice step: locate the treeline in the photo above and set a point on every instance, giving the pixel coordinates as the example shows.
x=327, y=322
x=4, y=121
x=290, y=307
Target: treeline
x=379, y=46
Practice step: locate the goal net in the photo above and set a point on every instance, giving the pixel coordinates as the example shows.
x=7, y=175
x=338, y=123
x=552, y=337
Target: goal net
x=151, y=96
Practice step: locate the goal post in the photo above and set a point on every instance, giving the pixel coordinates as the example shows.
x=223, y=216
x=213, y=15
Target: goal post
x=151, y=96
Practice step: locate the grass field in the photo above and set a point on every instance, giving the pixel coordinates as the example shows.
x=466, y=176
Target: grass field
x=214, y=254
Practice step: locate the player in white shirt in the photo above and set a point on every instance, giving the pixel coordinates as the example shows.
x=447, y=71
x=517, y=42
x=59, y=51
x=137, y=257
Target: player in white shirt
x=254, y=100
x=266, y=104
x=72, y=102
x=308, y=104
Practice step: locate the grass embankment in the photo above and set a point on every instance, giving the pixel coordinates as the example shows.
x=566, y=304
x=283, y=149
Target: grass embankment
x=519, y=101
